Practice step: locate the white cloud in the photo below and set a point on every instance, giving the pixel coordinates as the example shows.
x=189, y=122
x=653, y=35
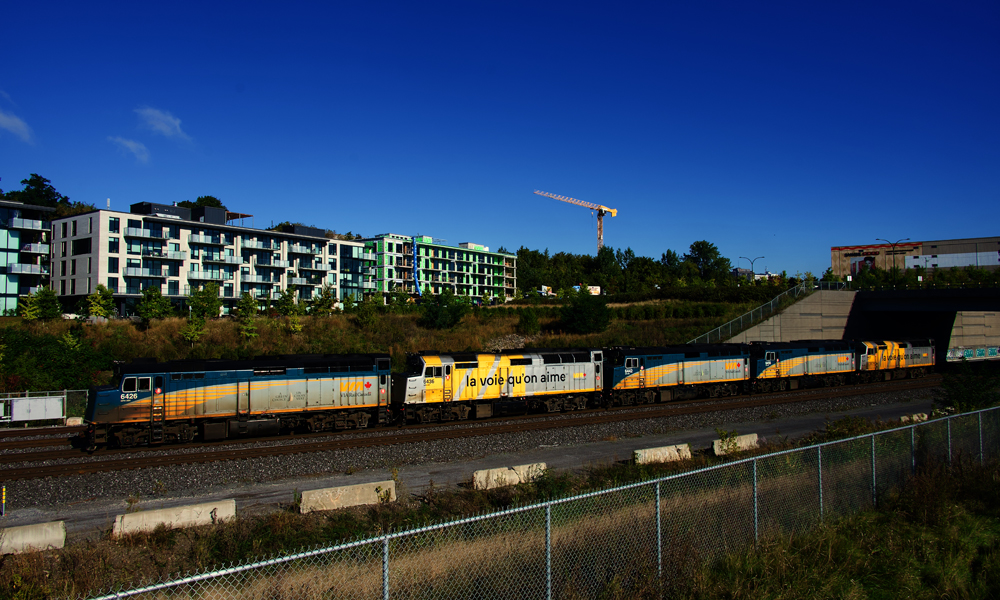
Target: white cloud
x=163, y=122
x=15, y=125
x=136, y=148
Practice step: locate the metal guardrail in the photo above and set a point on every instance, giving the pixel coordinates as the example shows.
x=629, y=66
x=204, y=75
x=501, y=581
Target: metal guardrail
x=611, y=542
x=764, y=311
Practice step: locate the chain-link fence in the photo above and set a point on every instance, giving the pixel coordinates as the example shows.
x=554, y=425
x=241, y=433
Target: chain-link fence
x=632, y=540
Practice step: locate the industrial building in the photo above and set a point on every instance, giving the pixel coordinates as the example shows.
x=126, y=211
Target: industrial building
x=176, y=249
x=906, y=254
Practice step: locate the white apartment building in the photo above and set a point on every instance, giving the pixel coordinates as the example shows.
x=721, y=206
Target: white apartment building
x=177, y=249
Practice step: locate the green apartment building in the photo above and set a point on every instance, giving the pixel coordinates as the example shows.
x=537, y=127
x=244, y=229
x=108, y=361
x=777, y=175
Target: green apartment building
x=419, y=265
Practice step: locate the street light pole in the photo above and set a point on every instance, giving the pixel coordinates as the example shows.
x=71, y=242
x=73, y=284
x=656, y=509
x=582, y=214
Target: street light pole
x=893, y=250
x=753, y=276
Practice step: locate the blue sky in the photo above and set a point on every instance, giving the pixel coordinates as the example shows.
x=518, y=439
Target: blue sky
x=777, y=129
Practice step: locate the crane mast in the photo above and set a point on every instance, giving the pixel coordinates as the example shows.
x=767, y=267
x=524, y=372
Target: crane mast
x=601, y=210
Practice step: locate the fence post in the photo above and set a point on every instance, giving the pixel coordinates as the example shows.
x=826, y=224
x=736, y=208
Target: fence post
x=659, y=538
x=982, y=459
x=756, y=532
x=874, y=481
x=949, y=441
x=548, y=551
x=385, y=569
x=913, y=450
x=819, y=464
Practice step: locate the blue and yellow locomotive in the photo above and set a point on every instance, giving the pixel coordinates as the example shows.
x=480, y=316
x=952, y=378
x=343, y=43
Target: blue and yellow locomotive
x=179, y=401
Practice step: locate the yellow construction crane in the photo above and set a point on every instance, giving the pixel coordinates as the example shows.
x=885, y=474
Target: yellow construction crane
x=601, y=211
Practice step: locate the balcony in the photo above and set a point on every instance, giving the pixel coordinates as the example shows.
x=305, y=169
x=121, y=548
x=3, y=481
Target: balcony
x=32, y=224
x=27, y=269
x=274, y=264
x=143, y=233
x=208, y=276
x=256, y=279
x=36, y=248
x=368, y=285
x=208, y=239
x=228, y=260
x=304, y=249
x=298, y=281
x=368, y=256
x=167, y=255
x=136, y=290
x=141, y=272
x=312, y=266
x=257, y=245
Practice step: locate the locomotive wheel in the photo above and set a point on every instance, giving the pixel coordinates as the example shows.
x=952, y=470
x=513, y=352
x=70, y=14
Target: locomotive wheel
x=783, y=385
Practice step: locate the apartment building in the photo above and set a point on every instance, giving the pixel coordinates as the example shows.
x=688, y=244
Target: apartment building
x=176, y=249
x=24, y=251
x=423, y=265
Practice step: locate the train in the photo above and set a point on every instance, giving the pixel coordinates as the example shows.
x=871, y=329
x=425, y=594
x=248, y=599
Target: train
x=153, y=403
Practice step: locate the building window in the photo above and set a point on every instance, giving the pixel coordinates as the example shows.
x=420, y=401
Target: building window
x=90, y=229
x=74, y=227
x=62, y=248
x=72, y=267
x=81, y=246
x=72, y=287
x=62, y=268
x=113, y=245
x=88, y=270
x=88, y=285
x=113, y=224
x=113, y=284
x=62, y=287
x=112, y=264
x=173, y=288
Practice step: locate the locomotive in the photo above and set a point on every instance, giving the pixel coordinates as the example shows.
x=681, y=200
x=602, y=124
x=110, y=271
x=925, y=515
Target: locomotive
x=179, y=401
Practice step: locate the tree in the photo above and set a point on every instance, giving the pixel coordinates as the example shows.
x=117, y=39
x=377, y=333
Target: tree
x=27, y=308
x=40, y=192
x=209, y=201
x=153, y=305
x=527, y=323
x=101, y=303
x=246, y=313
x=324, y=302
x=367, y=314
x=285, y=304
x=444, y=311
x=586, y=314
x=711, y=265
x=205, y=302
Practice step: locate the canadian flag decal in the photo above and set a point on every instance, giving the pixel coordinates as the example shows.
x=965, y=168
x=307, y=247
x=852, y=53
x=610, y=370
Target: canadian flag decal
x=368, y=384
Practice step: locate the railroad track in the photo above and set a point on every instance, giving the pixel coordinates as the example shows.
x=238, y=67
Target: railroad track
x=238, y=449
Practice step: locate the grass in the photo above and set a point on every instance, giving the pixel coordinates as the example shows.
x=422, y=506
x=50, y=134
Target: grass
x=105, y=563
x=939, y=537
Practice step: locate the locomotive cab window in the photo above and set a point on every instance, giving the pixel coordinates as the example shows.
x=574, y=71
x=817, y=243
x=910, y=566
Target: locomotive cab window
x=631, y=363
x=769, y=356
x=144, y=384
x=129, y=385
x=382, y=379
x=432, y=372
x=158, y=382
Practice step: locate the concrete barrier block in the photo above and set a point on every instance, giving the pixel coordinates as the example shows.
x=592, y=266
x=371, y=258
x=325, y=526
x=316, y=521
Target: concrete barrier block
x=31, y=538
x=645, y=456
x=487, y=479
x=742, y=442
x=74, y=421
x=181, y=516
x=529, y=473
x=347, y=495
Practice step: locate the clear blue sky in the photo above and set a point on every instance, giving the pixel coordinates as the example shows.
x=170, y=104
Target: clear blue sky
x=776, y=129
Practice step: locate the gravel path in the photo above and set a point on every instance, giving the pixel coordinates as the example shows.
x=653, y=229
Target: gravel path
x=200, y=479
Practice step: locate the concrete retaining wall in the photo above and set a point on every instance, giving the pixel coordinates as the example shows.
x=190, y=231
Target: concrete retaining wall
x=820, y=316
x=664, y=454
x=347, y=495
x=492, y=478
x=30, y=538
x=181, y=516
x=743, y=442
x=975, y=329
